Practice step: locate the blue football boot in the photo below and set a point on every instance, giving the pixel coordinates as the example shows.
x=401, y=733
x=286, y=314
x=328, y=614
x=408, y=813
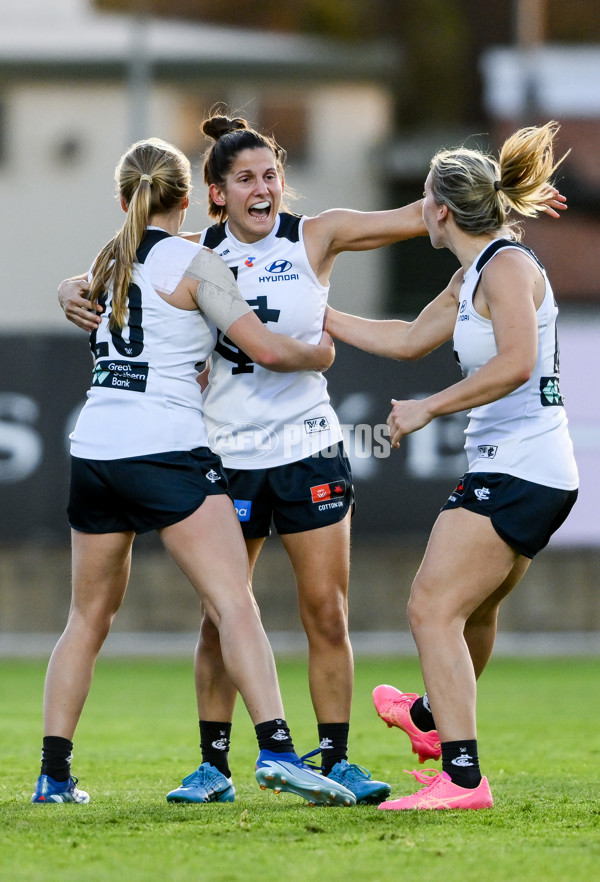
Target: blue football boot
x=206, y=784
x=286, y=772
x=358, y=780
x=49, y=790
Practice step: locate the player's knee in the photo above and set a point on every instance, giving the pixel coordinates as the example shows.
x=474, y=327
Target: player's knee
x=326, y=622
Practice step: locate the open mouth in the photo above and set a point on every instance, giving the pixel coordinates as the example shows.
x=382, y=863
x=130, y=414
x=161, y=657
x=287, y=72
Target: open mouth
x=260, y=209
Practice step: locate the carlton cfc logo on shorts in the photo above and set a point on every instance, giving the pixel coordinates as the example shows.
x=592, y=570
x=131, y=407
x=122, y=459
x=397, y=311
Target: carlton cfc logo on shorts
x=322, y=492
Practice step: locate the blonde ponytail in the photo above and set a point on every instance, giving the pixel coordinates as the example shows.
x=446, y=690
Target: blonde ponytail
x=151, y=177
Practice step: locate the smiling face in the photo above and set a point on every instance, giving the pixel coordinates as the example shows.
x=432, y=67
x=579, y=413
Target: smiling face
x=252, y=194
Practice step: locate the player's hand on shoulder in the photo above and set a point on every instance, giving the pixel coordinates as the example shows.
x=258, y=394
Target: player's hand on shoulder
x=72, y=296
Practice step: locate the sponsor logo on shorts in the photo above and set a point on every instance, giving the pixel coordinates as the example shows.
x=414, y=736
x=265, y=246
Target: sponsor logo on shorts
x=127, y=375
x=482, y=493
x=318, y=424
x=325, y=492
x=212, y=476
x=243, y=509
x=457, y=492
x=487, y=451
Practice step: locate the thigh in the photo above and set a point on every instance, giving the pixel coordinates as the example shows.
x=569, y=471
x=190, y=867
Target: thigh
x=321, y=562
x=209, y=548
x=100, y=565
x=465, y=563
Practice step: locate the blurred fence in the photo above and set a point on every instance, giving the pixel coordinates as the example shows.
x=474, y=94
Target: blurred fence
x=44, y=379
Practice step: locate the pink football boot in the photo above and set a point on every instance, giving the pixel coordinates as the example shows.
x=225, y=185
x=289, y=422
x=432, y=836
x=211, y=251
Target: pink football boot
x=394, y=707
x=441, y=793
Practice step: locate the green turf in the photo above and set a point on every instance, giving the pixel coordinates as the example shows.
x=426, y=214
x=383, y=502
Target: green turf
x=539, y=724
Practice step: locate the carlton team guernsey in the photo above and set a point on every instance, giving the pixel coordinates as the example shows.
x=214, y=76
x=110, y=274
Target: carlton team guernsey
x=524, y=433
x=257, y=418
x=144, y=397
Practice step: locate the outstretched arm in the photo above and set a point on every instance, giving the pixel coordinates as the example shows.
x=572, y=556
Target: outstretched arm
x=394, y=338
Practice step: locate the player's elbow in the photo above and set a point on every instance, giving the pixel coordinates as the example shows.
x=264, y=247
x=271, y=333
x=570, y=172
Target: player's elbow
x=268, y=357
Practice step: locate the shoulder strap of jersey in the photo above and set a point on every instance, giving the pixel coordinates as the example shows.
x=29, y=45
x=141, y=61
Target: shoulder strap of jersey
x=214, y=236
x=496, y=246
x=151, y=237
x=493, y=249
x=289, y=227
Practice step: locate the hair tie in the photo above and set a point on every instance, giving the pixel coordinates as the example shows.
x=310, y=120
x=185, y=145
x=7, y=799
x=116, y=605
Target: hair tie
x=145, y=178
x=497, y=185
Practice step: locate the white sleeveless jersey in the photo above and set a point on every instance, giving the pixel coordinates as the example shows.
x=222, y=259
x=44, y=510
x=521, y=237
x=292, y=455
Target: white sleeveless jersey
x=525, y=433
x=144, y=397
x=257, y=418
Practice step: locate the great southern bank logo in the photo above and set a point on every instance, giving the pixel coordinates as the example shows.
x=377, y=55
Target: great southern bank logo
x=252, y=440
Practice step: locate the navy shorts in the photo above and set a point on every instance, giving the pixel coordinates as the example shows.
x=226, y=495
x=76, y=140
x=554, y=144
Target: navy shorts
x=298, y=496
x=523, y=514
x=142, y=493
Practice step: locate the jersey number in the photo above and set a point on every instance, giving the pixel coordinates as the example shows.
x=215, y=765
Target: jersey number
x=130, y=348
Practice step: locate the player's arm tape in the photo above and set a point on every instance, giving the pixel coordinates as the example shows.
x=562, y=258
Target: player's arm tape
x=217, y=294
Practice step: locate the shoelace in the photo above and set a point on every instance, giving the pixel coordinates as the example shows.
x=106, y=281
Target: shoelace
x=423, y=778
x=202, y=775
x=352, y=770
x=311, y=765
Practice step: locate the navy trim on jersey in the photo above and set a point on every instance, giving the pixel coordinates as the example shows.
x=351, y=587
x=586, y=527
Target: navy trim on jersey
x=503, y=243
x=149, y=240
x=289, y=227
x=214, y=236
x=489, y=253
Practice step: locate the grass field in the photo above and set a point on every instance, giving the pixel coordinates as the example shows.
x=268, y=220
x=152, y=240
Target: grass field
x=539, y=725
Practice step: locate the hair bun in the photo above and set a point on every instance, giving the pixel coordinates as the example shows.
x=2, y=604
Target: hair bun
x=217, y=126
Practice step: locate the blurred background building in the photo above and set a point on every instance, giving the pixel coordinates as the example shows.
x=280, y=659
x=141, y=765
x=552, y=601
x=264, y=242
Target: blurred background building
x=361, y=94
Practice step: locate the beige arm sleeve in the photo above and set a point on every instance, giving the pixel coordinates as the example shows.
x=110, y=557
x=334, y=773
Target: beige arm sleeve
x=217, y=295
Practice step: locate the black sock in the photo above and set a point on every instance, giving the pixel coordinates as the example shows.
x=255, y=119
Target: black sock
x=274, y=735
x=57, y=754
x=420, y=714
x=333, y=742
x=214, y=744
x=461, y=762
